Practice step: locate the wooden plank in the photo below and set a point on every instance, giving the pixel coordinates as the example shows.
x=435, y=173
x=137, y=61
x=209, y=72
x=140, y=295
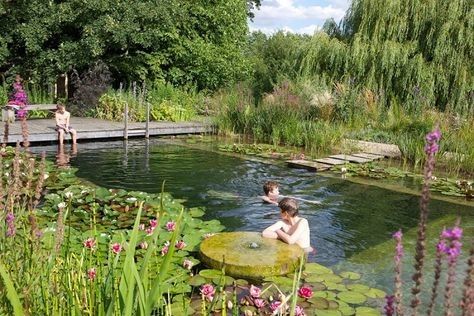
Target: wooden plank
x=331, y=161
x=41, y=107
x=308, y=164
x=368, y=156
x=351, y=158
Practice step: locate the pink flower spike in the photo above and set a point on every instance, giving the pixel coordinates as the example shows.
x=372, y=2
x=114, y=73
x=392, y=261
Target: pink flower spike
x=116, y=248
x=255, y=291
x=456, y=233
x=91, y=274
x=397, y=235
x=305, y=292
x=441, y=247
x=89, y=243
x=171, y=226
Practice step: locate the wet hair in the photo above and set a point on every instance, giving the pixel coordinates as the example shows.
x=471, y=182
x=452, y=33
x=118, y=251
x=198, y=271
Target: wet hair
x=269, y=186
x=60, y=106
x=289, y=206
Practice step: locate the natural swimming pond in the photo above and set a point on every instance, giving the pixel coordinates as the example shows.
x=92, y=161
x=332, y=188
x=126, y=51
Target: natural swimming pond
x=351, y=229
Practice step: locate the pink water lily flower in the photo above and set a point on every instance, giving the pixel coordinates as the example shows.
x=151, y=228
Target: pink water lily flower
x=208, y=291
x=255, y=291
x=259, y=303
x=171, y=226
x=91, y=274
x=305, y=292
x=89, y=243
x=180, y=245
x=188, y=264
x=274, y=305
x=116, y=248
x=299, y=311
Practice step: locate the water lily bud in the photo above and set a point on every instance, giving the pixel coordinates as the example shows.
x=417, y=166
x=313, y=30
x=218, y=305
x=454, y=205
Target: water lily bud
x=230, y=304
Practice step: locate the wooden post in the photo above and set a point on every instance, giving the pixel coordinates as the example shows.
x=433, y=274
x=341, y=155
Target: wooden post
x=147, y=126
x=125, y=118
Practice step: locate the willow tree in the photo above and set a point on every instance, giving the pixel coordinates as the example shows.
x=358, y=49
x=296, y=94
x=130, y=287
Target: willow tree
x=419, y=52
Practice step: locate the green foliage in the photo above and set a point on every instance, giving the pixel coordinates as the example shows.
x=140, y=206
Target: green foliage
x=197, y=42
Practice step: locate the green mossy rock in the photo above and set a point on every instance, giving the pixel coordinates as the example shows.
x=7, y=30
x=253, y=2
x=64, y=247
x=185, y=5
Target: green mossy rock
x=270, y=257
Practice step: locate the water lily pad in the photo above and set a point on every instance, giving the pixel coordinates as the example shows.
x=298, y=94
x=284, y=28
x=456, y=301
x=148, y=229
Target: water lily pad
x=319, y=302
x=241, y=282
x=228, y=280
x=197, y=280
x=352, y=297
x=350, y=275
x=316, y=268
x=367, y=311
x=358, y=287
x=210, y=273
x=196, y=212
x=347, y=310
x=375, y=293
x=318, y=286
x=327, y=277
x=335, y=286
x=328, y=312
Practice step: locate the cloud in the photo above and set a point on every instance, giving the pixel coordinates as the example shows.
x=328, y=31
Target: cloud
x=296, y=16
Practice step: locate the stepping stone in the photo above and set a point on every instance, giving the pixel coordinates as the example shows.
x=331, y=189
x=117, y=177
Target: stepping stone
x=368, y=156
x=351, y=158
x=307, y=164
x=331, y=161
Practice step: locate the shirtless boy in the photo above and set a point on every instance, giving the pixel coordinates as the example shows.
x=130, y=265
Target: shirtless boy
x=62, y=124
x=272, y=192
x=292, y=229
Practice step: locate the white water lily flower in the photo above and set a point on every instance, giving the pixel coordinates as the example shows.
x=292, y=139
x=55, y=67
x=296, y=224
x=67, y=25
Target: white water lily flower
x=68, y=194
x=343, y=170
x=131, y=199
x=62, y=205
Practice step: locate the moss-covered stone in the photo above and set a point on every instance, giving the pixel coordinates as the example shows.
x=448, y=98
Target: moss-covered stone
x=249, y=255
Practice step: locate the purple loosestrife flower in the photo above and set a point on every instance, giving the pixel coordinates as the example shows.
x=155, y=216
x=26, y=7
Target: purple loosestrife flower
x=10, y=221
x=397, y=298
x=389, y=301
x=453, y=250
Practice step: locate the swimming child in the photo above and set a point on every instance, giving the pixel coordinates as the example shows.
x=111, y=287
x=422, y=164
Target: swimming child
x=271, y=190
x=292, y=229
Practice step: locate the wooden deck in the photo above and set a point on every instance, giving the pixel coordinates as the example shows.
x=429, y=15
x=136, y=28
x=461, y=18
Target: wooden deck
x=42, y=130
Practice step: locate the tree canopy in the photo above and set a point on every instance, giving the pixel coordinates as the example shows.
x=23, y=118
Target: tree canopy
x=180, y=41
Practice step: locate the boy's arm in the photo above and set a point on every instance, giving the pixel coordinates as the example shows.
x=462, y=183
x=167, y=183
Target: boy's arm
x=67, y=120
x=270, y=232
x=267, y=199
x=303, y=226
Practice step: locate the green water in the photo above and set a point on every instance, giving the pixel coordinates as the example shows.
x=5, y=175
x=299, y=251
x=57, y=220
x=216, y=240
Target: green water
x=351, y=229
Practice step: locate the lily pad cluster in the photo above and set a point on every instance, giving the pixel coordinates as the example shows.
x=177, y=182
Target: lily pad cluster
x=262, y=150
x=445, y=186
x=320, y=292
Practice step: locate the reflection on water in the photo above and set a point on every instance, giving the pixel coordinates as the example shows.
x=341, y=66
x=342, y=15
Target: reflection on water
x=63, y=156
x=351, y=229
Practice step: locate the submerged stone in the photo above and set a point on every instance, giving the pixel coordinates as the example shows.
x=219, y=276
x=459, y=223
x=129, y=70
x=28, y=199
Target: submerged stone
x=249, y=255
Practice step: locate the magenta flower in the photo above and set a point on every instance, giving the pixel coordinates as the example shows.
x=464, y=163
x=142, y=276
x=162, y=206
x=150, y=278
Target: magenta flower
x=389, y=305
x=299, y=311
x=91, y=274
x=171, y=226
x=143, y=245
x=153, y=223
x=441, y=247
x=255, y=291
x=89, y=243
x=188, y=264
x=274, y=305
x=456, y=233
x=10, y=221
x=164, y=250
x=398, y=235
x=259, y=303
x=305, y=292
x=149, y=231
x=180, y=245
x=208, y=291
x=116, y=248
x=432, y=140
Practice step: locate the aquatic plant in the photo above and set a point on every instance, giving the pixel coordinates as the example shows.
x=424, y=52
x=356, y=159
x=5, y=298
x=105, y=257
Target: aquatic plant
x=449, y=247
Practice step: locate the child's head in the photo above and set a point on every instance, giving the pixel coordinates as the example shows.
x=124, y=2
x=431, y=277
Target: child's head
x=289, y=206
x=60, y=108
x=271, y=187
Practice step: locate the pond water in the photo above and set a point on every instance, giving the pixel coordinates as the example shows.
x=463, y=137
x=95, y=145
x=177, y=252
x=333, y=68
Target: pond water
x=351, y=229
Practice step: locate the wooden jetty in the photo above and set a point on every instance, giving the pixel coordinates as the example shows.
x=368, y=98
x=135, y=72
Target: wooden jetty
x=43, y=130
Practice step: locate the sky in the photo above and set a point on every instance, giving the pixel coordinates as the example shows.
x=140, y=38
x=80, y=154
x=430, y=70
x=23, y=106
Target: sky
x=297, y=16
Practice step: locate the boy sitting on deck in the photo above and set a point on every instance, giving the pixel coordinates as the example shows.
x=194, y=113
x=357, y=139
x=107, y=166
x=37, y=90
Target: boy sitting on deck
x=271, y=190
x=292, y=229
x=62, y=124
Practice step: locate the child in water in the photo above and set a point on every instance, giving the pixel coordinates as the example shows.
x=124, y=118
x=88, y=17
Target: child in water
x=271, y=190
x=292, y=229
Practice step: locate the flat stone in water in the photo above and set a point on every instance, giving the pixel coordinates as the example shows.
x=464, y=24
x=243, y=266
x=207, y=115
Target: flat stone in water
x=249, y=255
